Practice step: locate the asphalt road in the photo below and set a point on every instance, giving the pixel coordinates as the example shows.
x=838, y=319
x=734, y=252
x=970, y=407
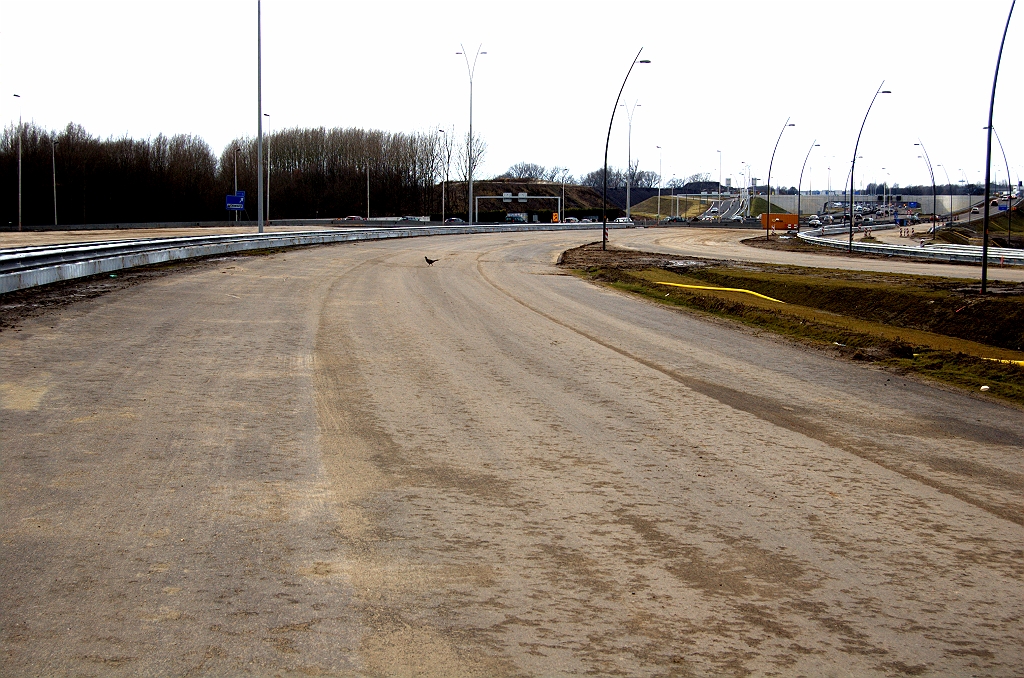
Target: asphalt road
x=341, y=461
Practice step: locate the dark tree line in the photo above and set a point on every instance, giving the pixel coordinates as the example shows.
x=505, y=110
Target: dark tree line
x=313, y=173
x=105, y=181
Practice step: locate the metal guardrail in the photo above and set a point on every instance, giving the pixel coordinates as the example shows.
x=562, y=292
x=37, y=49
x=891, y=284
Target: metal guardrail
x=24, y=267
x=957, y=254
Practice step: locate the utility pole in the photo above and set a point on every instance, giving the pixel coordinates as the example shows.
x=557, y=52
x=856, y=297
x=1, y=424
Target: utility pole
x=259, y=114
x=53, y=159
x=18, y=96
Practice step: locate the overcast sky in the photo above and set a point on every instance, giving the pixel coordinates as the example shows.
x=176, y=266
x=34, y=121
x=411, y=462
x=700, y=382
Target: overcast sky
x=724, y=77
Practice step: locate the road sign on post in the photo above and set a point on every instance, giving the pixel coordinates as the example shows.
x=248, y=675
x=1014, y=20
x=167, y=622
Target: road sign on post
x=522, y=197
x=235, y=202
x=506, y=197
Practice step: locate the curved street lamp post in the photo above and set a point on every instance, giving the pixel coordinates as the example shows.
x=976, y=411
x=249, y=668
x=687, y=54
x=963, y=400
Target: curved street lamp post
x=471, y=70
x=800, y=184
x=931, y=172
x=768, y=222
x=1009, y=199
x=604, y=197
x=629, y=152
x=853, y=165
x=988, y=155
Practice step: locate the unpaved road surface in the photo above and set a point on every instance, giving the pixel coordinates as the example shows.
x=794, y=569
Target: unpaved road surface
x=726, y=243
x=340, y=461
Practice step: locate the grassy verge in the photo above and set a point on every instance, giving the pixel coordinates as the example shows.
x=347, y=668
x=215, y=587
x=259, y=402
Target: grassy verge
x=688, y=207
x=935, y=328
x=759, y=205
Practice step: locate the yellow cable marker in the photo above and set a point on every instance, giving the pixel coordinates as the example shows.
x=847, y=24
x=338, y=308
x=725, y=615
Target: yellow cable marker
x=721, y=289
x=1010, y=362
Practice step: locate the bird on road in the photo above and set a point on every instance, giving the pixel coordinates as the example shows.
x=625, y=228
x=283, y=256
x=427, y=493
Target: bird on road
x=430, y=262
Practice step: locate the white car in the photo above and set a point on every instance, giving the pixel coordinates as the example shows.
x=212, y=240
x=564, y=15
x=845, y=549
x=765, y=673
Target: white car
x=622, y=220
x=571, y=220
x=736, y=217
x=713, y=210
x=813, y=222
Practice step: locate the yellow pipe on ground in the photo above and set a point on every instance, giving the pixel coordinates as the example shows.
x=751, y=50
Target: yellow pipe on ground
x=1010, y=362
x=721, y=289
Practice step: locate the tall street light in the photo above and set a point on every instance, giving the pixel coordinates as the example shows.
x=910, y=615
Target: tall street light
x=950, y=187
x=659, y=184
x=931, y=172
x=768, y=223
x=604, y=196
x=800, y=184
x=719, y=185
x=235, y=154
x=750, y=187
x=1009, y=199
x=471, y=70
x=988, y=156
x=18, y=96
x=853, y=165
x=441, y=131
x=269, y=139
x=53, y=160
x=629, y=152
x=259, y=114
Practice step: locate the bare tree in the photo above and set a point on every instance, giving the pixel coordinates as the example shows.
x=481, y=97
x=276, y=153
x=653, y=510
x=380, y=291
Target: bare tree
x=525, y=170
x=464, y=162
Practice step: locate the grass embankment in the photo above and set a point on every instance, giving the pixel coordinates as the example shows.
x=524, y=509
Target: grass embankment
x=934, y=327
x=688, y=207
x=759, y=205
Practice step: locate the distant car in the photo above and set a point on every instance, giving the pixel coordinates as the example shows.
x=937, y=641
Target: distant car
x=868, y=220
x=707, y=218
x=623, y=220
x=586, y=220
x=354, y=218
x=975, y=210
x=713, y=210
x=736, y=217
x=571, y=220
x=827, y=219
x=673, y=220
x=814, y=222
x=454, y=220
x=515, y=218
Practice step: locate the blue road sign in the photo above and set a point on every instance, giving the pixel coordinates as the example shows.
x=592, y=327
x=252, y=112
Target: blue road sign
x=235, y=202
x=1003, y=208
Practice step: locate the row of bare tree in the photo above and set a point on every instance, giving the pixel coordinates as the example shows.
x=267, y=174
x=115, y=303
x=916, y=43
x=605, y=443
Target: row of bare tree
x=315, y=172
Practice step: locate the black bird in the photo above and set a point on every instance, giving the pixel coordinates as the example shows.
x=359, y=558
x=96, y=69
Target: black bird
x=430, y=262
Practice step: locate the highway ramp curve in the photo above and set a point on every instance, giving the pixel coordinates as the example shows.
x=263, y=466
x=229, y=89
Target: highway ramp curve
x=341, y=461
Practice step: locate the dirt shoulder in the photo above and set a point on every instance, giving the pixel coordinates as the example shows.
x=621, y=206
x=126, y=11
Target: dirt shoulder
x=939, y=328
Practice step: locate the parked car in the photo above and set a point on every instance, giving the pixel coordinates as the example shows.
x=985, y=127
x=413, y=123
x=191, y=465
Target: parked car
x=868, y=220
x=454, y=220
